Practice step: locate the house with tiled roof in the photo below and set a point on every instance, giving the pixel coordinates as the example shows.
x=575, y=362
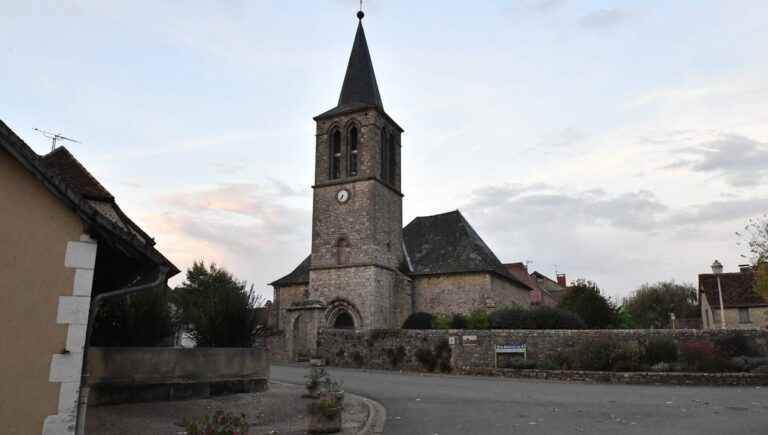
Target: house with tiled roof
x=65, y=246
x=539, y=295
x=741, y=306
x=365, y=270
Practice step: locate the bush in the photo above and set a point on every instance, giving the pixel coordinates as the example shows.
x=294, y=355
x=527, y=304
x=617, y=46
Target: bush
x=478, y=319
x=431, y=359
x=522, y=364
x=736, y=345
x=418, y=321
x=604, y=354
x=458, y=322
x=585, y=299
x=701, y=356
x=658, y=350
x=219, y=424
x=535, y=318
x=218, y=309
x=441, y=321
x=143, y=319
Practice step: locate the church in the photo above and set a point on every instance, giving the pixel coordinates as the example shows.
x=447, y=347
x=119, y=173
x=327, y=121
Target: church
x=365, y=270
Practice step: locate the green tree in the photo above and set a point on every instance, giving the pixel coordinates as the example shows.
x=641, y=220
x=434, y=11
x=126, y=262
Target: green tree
x=650, y=305
x=585, y=299
x=217, y=309
x=143, y=319
x=755, y=238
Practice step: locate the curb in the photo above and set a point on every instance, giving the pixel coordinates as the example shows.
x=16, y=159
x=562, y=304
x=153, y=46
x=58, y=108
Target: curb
x=377, y=416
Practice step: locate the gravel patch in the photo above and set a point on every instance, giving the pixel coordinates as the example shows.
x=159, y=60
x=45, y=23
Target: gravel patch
x=279, y=411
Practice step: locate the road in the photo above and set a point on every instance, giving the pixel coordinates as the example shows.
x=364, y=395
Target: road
x=454, y=405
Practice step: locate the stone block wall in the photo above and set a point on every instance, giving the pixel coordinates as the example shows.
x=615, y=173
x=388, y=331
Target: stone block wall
x=475, y=350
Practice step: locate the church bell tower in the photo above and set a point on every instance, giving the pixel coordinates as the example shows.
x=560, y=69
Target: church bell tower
x=357, y=242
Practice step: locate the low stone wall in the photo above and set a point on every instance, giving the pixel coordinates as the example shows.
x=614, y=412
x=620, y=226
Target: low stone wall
x=124, y=375
x=632, y=378
x=475, y=350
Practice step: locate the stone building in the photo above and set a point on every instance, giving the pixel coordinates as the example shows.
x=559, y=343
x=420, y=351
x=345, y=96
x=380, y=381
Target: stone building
x=63, y=240
x=365, y=270
x=742, y=307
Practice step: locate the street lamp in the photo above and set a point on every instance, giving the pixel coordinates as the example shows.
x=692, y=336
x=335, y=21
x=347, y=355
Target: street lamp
x=717, y=269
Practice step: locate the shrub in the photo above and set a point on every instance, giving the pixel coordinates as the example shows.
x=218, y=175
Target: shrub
x=418, y=321
x=585, y=299
x=396, y=356
x=315, y=379
x=603, y=354
x=548, y=364
x=426, y=358
x=431, y=359
x=736, y=345
x=458, y=322
x=219, y=424
x=478, y=319
x=535, y=318
x=594, y=354
x=143, y=319
x=219, y=310
x=522, y=364
x=702, y=356
x=658, y=350
x=562, y=361
x=441, y=321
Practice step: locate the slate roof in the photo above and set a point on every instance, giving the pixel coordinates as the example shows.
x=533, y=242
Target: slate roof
x=360, y=89
x=738, y=290
x=447, y=243
x=440, y=244
x=299, y=275
x=68, y=180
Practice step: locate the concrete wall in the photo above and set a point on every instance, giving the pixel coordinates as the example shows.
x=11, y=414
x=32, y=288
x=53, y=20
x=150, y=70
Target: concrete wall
x=47, y=273
x=118, y=375
x=472, y=350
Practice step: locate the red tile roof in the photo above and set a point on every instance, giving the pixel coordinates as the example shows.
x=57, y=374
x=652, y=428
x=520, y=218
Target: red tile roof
x=738, y=290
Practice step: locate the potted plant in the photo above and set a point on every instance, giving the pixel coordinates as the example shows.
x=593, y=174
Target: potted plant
x=314, y=381
x=325, y=413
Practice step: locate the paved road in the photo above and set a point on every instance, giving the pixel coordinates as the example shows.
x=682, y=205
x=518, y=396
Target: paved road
x=457, y=405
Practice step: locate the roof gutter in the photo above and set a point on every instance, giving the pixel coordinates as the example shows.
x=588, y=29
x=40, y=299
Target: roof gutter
x=162, y=274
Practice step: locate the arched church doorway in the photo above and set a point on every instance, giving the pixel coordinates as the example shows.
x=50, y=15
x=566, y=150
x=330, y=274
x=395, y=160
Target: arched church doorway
x=344, y=320
x=341, y=314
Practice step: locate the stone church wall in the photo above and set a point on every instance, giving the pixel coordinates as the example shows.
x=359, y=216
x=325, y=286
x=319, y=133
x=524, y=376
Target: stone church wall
x=459, y=293
x=368, y=289
x=504, y=293
x=287, y=296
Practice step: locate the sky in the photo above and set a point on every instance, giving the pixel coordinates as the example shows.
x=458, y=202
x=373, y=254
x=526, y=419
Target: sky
x=619, y=142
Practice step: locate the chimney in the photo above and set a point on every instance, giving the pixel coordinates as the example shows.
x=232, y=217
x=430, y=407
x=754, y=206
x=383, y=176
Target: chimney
x=561, y=281
x=745, y=268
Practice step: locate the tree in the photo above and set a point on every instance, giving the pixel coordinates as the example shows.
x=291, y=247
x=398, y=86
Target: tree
x=650, y=305
x=144, y=319
x=755, y=237
x=585, y=299
x=218, y=310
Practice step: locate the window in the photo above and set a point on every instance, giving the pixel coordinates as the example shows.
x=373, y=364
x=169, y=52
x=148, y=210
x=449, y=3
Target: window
x=335, y=169
x=383, y=159
x=342, y=251
x=744, y=315
x=353, y=151
x=392, y=154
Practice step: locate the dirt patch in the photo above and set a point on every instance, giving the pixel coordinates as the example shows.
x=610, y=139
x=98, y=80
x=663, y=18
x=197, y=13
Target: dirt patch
x=281, y=410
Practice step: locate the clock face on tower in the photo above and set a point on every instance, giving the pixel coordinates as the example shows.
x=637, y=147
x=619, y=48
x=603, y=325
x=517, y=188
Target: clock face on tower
x=342, y=196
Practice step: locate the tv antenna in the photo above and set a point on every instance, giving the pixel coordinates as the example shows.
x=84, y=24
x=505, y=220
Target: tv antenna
x=54, y=137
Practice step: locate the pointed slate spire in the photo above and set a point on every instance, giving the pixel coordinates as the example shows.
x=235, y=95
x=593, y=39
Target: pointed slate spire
x=360, y=87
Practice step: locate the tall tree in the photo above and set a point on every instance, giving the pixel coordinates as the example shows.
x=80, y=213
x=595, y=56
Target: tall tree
x=650, y=305
x=585, y=299
x=755, y=238
x=218, y=310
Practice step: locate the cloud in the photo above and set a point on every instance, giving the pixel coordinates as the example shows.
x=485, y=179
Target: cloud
x=605, y=18
x=741, y=161
x=250, y=229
